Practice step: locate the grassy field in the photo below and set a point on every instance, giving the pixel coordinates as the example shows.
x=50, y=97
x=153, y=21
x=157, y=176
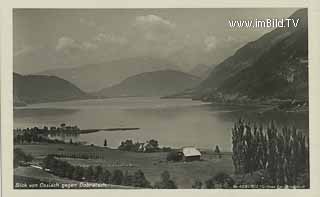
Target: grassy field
x=32, y=175
x=152, y=164
x=42, y=176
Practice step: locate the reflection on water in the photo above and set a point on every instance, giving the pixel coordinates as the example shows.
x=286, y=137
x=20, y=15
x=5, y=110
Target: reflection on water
x=30, y=117
x=66, y=137
x=173, y=122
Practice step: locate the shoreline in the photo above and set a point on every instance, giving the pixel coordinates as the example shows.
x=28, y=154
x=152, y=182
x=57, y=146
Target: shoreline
x=85, y=131
x=274, y=106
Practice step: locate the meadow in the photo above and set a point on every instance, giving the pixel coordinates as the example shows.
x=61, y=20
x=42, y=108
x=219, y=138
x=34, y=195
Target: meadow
x=183, y=174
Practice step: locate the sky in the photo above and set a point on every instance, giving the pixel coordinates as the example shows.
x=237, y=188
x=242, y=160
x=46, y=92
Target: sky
x=45, y=39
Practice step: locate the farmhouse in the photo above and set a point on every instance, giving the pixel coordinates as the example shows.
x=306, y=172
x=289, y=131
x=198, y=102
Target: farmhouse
x=144, y=147
x=191, y=153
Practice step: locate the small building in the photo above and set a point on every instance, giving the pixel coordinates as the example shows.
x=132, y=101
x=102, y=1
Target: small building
x=191, y=153
x=145, y=147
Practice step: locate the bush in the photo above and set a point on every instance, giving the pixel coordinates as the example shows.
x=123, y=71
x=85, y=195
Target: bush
x=127, y=179
x=117, y=177
x=98, y=174
x=139, y=180
x=128, y=145
x=78, y=173
x=166, y=149
x=166, y=182
x=174, y=156
x=20, y=156
x=221, y=180
x=106, y=176
x=197, y=184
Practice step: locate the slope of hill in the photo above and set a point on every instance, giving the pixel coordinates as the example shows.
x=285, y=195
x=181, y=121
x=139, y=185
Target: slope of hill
x=36, y=89
x=201, y=70
x=281, y=73
x=157, y=83
x=274, y=66
x=92, y=78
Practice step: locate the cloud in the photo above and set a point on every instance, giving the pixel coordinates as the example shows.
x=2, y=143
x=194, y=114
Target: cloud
x=230, y=39
x=110, y=38
x=153, y=20
x=87, y=22
x=89, y=45
x=67, y=44
x=211, y=42
x=152, y=29
x=25, y=49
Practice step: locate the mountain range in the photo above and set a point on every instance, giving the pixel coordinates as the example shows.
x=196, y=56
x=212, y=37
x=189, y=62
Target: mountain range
x=274, y=66
x=94, y=77
x=157, y=83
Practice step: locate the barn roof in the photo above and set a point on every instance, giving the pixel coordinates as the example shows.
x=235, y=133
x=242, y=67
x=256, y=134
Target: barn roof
x=190, y=151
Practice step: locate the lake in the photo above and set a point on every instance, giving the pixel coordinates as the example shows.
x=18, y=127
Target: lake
x=173, y=122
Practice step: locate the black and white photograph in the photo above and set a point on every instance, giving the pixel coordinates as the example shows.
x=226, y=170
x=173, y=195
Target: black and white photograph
x=160, y=98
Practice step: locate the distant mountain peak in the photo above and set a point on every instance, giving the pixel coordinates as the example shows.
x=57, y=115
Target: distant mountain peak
x=94, y=77
x=28, y=89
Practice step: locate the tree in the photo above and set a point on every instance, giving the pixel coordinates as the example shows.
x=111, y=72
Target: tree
x=78, y=173
x=89, y=173
x=98, y=175
x=117, y=177
x=165, y=182
x=126, y=145
x=197, y=184
x=283, y=156
x=127, y=179
x=154, y=144
x=69, y=171
x=106, y=176
x=49, y=162
x=139, y=180
x=174, y=156
x=220, y=180
x=61, y=168
x=20, y=156
x=217, y=151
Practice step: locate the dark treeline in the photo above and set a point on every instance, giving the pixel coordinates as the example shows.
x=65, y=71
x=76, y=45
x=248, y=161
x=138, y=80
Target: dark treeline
x=63, y=128
x=40, y=135
x=32, y=137
x=95, y=174
x=282, y=154
x=100, y=175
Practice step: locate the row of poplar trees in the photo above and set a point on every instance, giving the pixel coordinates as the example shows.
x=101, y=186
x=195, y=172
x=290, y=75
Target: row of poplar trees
x=282, y=154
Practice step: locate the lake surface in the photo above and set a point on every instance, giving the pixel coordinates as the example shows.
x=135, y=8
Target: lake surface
x=173, y=122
